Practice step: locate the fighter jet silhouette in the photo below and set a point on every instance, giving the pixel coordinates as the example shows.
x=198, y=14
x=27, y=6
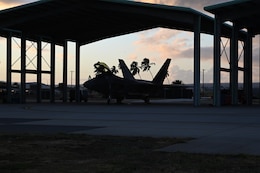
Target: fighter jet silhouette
x=115, y=87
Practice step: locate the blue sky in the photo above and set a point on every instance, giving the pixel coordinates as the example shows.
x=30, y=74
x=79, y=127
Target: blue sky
x=157, y=44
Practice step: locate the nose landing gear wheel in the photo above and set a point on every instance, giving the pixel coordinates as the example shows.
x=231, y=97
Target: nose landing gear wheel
x=147, y=100
x=108, y=100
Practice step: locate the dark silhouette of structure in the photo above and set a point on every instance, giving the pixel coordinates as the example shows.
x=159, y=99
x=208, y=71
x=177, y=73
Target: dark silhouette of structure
x=124, y=17
x=112, y=86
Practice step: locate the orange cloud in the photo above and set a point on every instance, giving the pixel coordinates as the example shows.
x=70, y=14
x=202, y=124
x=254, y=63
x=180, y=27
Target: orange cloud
x=165, y=2
x=195, y=4
x=4, y=5
x=163, y=42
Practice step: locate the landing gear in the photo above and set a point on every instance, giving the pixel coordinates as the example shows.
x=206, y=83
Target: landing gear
x=147, y=99
x=108, y=100
x=119, y=100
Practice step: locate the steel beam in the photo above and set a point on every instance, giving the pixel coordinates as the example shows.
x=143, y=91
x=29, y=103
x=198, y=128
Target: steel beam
x=23, y=70
x=197, y=31
x=9, y=67
x=39, y=70
x=216, y=77
x=248, y=69
x=65, y=72
x=77, y=87
x=52, y=99
x=234, y=65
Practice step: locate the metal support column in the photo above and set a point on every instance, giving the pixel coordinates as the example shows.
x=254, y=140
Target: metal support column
x=216, y=77
x=65, y=72
x=9, y=67
x=39, y=70
x=248, y=69
x=234, y=65
x=196, y=95
x=77, y=87
x=23, y=70
x=52, y=99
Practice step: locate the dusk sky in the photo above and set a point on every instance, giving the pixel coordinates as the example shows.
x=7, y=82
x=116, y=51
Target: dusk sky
x=157, y=44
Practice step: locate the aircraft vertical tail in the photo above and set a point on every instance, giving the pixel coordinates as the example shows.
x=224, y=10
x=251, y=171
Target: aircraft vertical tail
x=126, y=72
x=160, y=76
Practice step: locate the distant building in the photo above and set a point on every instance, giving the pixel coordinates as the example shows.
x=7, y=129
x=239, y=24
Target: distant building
x=177, y=91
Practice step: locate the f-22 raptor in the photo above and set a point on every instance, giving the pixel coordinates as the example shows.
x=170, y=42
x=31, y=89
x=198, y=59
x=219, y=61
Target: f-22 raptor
x=115, y=87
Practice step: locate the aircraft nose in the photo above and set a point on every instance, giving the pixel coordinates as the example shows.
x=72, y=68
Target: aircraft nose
x=88, y=84
x=85, y=84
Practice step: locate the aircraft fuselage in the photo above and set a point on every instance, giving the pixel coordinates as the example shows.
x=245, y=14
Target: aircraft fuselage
x=120, y=88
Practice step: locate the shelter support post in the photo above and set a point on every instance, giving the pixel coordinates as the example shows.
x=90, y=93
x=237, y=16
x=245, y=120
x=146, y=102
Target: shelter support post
x=39, y=70
x=65, y=72
x=23, y=70
x=216, y=75
x=9, y=67
x=77, y=83
x=248, y=69
x=52, y=99
x=196, y=94
x=234, y=65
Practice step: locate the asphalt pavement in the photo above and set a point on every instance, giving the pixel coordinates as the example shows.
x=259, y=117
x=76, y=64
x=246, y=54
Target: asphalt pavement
x=214, y=130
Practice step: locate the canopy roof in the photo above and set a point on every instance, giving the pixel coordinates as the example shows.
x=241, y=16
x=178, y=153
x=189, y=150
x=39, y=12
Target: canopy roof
x=93, y=20
x=244, y=13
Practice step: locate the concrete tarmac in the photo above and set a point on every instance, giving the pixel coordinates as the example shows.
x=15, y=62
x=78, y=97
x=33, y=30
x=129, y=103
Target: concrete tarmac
x=215, y=130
